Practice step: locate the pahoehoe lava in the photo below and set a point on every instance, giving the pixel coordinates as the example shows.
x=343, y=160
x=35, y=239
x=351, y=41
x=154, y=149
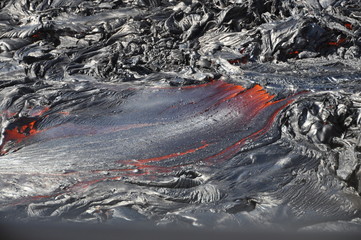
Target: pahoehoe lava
x=215, y=114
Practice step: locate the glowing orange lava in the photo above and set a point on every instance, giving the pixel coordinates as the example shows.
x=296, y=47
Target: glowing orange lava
x=140, y=162
x=17, y=134
x=348, y=26
x=294, y=53
x=338, y=43
x=243, y=106
x=252, y=101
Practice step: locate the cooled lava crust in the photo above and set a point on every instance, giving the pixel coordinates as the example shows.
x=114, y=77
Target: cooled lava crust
x=207, y=114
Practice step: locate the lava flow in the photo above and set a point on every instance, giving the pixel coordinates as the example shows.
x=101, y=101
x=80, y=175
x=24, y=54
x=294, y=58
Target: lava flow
x=17, y=133
x=157, y=127
x=202, y=113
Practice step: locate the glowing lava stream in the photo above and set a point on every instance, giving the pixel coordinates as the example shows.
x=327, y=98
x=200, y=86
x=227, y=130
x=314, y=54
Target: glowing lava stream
x=256, y=100
x=156, y=129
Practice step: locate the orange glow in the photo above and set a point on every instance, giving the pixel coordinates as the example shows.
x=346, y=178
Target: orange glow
x=173, y=155
x=64, y=113
x=20, y=132
x=294, y=53
x=236, y=147
x=248, y=105
x=338, y=43
x=252, y=101
x=257, y=99
x=141, y=163
x=234, y=90
x=248, y=102
x=17, y=134
x=348, y=26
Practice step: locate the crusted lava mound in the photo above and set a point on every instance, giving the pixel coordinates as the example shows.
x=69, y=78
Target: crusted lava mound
x=215, y=114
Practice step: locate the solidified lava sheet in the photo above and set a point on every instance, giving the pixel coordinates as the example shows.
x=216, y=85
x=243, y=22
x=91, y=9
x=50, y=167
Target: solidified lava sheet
x=223, y=114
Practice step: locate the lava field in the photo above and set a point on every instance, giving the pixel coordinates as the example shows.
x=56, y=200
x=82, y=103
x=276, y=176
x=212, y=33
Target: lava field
x=223, y=114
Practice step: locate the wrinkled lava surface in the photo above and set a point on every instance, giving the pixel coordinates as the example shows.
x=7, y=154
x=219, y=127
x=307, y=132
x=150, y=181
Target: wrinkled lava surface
x=212, y=114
